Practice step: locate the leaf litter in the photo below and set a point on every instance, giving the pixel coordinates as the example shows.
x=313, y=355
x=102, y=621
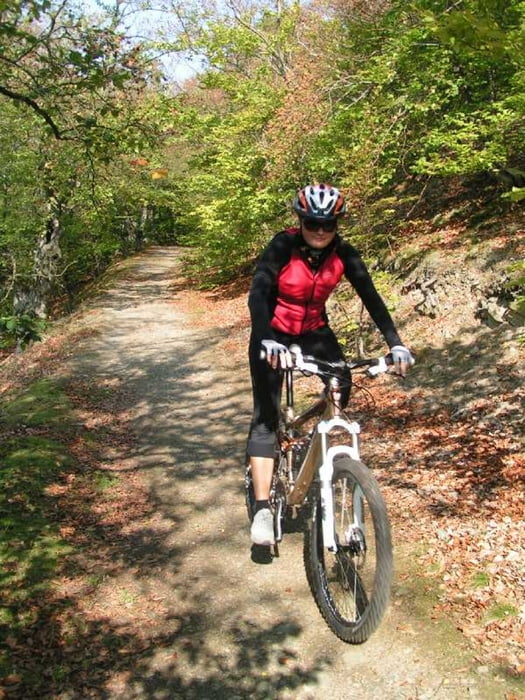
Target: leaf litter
x=453, y=477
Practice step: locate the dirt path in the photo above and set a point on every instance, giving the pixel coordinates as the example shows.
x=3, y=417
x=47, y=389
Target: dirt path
x=226, y=626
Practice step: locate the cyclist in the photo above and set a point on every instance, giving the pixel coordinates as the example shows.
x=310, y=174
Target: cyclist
x=294, y=277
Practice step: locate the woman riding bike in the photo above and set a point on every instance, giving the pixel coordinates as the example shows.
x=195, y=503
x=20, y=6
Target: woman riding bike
x=294, y=278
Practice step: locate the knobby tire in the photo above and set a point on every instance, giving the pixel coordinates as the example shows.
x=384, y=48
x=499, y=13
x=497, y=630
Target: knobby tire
x=351, y=592
x=249, y=493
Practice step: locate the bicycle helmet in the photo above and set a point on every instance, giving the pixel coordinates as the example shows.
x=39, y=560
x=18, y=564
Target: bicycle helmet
x=322, y=202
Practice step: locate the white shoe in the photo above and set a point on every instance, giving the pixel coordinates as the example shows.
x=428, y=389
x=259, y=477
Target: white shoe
x=262, y=528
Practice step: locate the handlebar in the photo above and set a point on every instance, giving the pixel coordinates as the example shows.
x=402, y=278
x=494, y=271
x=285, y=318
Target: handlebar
x=308, y=364
x=313, y=365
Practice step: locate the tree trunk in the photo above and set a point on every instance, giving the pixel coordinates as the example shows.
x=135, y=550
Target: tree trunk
x=33, y=298
x=140, y=231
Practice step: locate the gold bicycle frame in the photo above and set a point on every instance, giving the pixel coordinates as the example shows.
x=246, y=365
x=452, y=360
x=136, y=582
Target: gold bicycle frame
x=312, y=459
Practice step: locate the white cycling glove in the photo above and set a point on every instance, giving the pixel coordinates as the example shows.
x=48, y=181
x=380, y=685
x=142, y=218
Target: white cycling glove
x=277, y=354
x=402, y=357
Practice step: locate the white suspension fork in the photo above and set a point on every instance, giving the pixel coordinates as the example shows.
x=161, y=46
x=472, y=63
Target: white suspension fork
x=326, y=472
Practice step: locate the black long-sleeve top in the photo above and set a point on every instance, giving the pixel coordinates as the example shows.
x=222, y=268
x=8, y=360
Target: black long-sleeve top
x=292, y=283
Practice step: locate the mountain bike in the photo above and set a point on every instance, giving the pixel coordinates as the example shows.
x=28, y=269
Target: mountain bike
x=347, y=549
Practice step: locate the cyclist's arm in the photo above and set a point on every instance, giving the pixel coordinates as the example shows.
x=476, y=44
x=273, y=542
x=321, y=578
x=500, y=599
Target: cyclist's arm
x=357, y=274
x=263, y=292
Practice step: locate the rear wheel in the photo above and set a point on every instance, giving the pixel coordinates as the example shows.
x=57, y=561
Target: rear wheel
x=249, y=493
x=351, y=586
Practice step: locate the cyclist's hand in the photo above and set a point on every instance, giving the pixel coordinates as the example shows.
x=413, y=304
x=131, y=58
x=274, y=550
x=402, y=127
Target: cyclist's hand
x=402, y=359
x=277, y=354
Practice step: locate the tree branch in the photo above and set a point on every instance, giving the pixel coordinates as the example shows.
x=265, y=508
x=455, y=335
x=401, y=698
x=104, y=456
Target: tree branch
x=36, y=108
x=279, y=62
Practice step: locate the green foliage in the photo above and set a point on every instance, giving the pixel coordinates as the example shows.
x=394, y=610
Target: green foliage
x=31, y=548
x=425, y=89
x=480, y=579
x=516, y=194
x=516, y=272
x=227, y=204
x=516, y=286
x=55, y=60
x=500, y=610
x=102, y=481
x=438, y=104
x=34, y=545
x=287, y=94
x=74, y=118
x=44, y=404
x=20, y=330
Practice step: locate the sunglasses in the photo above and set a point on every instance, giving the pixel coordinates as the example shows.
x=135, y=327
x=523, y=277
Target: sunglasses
x=316, y=224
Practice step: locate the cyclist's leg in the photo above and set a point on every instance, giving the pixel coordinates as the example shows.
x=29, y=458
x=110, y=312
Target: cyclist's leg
x=266, y=387
x=262, y=471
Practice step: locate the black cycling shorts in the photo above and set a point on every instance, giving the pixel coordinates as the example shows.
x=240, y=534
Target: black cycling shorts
x=267, y=385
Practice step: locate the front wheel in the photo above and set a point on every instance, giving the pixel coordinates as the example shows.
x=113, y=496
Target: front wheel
x=351, y=586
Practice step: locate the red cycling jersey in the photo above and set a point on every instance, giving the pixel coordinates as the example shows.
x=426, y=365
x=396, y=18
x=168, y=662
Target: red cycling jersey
x=302, y=293
x=289, y=289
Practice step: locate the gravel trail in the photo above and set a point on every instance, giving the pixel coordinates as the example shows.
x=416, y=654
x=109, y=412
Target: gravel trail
x=232, y=627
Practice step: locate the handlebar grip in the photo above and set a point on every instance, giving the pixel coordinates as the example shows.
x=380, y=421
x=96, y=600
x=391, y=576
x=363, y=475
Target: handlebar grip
x=381, y=367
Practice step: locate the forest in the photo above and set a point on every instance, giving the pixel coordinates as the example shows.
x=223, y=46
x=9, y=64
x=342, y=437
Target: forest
x=149, y=150
x=104, y=150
